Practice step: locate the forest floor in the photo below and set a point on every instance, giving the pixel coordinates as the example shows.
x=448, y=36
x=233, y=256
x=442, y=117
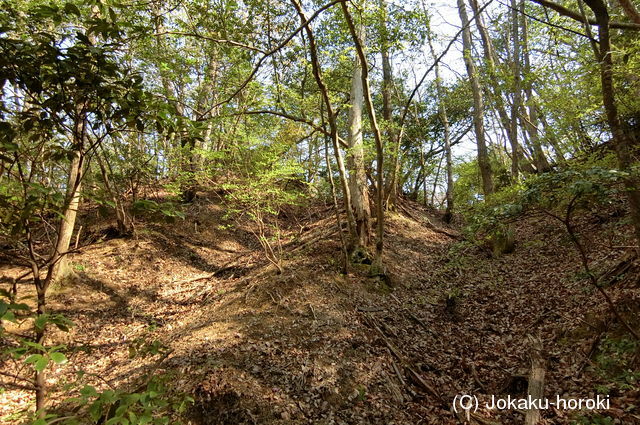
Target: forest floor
x=315, y=346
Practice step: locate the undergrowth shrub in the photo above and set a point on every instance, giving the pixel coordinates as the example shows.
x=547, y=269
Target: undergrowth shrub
x=590, y=186
x=263, y=187
x=153, y=402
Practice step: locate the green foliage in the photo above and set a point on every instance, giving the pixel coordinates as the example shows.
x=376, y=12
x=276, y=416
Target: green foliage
x=615, y=361
x=10, y=310
x=583, y=187
x=266, y=182
x=154, y=404
x=595, y=420
x=169, y=210
x=33, y=353
x=21, y=204
x=140, y=347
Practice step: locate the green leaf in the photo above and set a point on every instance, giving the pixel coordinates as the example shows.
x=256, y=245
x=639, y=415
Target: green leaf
x=72, y=8
x=88, y=391
x=41, y=321
x=33, y=358
x=145, y=418
x=22, y=307
x=58, y=358
x=41, y=364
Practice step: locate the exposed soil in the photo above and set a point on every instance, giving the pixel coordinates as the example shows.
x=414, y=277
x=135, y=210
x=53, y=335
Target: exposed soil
x=314, y=346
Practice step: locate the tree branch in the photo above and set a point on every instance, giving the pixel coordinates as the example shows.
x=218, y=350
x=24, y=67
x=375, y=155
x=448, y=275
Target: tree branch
x=577, y=17
x=215, y=40
x=284, y=42
x=311, y=124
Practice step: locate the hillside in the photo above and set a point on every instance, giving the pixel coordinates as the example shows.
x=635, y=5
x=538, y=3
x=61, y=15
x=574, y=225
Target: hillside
x=312, y=345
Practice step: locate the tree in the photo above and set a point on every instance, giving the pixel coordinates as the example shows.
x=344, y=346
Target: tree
x=72, y=97
x=442, y=112
x=622, y=141
x=531, y=118
x=378, y=264
x=355, y=157
x=478, y=104
x=317, y=73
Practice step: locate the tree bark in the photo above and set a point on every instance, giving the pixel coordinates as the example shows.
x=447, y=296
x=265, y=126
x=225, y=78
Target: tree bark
x=478, y=106
x=517, y=92
x=72, y=196
x=532, y=123
x=355, y=157
x=378, y=264
x=122, y=220
x=576, y=16
x=333, y=126
x=442, y=113
x=187, y=167
x=552, y=138
x=387, y=85
x=496, y=92
x=623, y=142
x=630, y=10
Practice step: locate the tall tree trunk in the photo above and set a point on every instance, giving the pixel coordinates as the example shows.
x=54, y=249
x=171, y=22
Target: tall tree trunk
x=552, y=138
x=39, y=377
x=188, y=166
x=478, y=107
x=435, y=182
x=58, y=258
x=122, y=220
x=387, y=85
x=517, y=91
x=531, y=123
x=491, y=58
x=333, y=126
x=496, y=92
x=72, y=196
x=378, y=266
x=355, y=157
x=442, y=112
x=623, y=142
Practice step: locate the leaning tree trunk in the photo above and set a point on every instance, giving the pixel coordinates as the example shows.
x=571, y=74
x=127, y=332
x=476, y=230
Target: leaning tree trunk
x=72, y=197
x=188, y=158
x=478, y=107
x=333, y=126
x=122, y=219
x=622, y=141
x=58, y=258
x=630, y=10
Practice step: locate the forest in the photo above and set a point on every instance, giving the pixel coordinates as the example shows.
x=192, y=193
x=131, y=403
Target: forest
x=320, y=212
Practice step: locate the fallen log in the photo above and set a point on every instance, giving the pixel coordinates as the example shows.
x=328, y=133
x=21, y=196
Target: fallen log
x=536, y=379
